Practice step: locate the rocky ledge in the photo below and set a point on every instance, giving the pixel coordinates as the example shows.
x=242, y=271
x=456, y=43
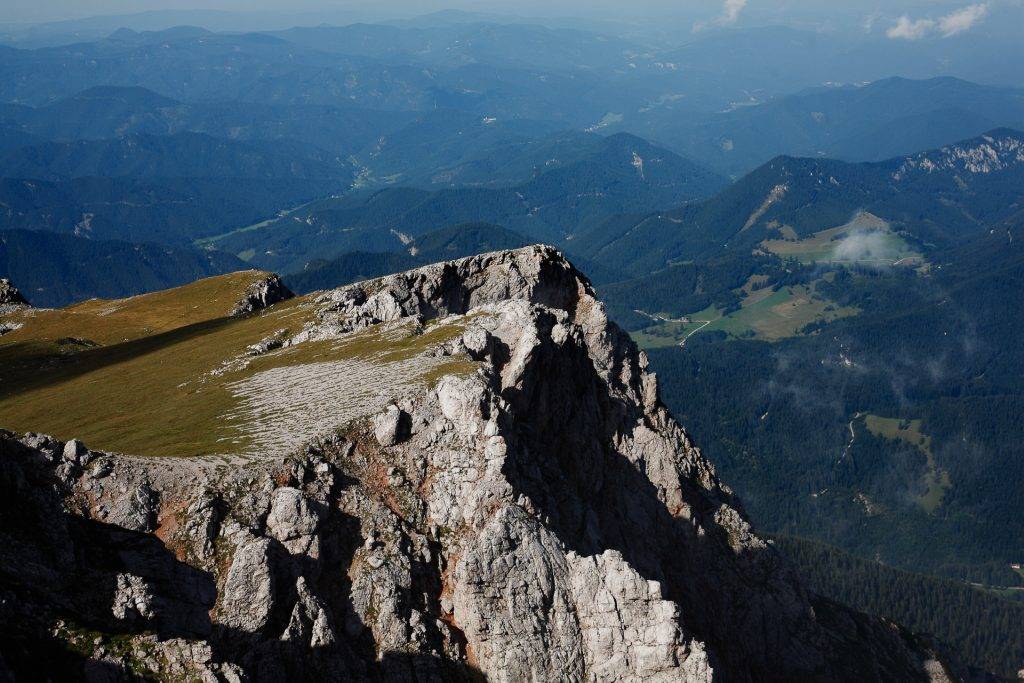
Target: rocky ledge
x=9, y=294
x=10, y=300
x=536, y=515
x=264, y=292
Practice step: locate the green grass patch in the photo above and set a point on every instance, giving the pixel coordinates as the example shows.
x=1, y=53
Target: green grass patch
x=887, y=247
x=169, y=393
x=764, y=314
x=937, y=480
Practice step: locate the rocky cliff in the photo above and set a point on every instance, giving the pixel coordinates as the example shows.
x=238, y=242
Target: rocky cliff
x=10, y=300
x=9, y=294
x=530, y=511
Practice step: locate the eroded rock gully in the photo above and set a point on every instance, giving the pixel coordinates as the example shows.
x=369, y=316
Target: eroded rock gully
x=542, y=517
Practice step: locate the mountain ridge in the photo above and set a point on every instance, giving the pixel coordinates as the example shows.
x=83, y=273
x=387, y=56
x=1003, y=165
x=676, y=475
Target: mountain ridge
x=534, y=479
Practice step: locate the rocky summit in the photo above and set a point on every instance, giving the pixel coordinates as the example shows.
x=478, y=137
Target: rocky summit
x=507, y=498
x=9, y=294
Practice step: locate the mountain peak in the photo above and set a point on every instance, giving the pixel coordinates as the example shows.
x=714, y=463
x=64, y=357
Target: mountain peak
x=994, y=151
x=435, y=458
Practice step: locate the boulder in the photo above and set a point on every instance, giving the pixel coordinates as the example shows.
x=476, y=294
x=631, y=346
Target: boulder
x=264, y=292
x=248, y=596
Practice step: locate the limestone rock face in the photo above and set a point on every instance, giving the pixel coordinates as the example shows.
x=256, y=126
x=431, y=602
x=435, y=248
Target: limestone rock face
x=249, y=588
x=10, y=300
x=262, y=293
x=535, y=513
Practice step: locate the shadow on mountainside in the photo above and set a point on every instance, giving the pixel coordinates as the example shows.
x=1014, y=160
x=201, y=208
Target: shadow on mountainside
x=26, y=368
x=59, y=568
x=745, y=605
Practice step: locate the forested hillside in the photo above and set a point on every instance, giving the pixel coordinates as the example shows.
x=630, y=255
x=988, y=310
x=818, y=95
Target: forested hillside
x=56, y=270
x=559, y=205
x=889, y=431
x=978, y=626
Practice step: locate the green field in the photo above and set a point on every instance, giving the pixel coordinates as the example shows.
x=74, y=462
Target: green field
x=765, y=314
x=937, y=480
x=887, y=247
x=159, y=374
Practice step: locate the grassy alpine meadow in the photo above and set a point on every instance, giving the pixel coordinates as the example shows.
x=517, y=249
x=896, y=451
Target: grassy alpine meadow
x=172, y=373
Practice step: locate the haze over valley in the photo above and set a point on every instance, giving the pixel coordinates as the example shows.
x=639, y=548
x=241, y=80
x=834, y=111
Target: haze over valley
x=219, y=230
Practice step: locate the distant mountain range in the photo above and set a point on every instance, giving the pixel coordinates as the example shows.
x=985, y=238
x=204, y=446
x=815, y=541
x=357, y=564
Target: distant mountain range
x=182, y=155
x=56, y=270
x=935, y=198
x=194, y=65
x=878, y=121
x=566, y=195
x=105, y=112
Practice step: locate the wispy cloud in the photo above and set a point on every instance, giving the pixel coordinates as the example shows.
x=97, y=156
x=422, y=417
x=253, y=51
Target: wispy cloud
x=870, y=21
x=951, y=24
x=962, y=20
x=731, y=10
x=870, y=246
x=908, y=29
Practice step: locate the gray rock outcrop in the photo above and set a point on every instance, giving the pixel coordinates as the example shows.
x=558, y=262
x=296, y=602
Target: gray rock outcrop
x=262, y=293
x=9, y=294
x=537, y=515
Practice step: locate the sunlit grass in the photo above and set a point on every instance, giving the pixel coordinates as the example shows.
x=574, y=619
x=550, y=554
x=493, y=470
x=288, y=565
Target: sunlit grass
x=161, y=382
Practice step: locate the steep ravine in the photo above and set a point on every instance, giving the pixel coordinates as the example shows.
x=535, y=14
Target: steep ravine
x=535, y=514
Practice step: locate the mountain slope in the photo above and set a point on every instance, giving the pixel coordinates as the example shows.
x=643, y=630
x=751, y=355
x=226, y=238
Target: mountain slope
x=56, y=270
x=611, y=175
x=513, y=466
x=935, y=198
x=925, y=604
x=890, y=432
x=874, y=122
x=172, y=211
x=183, y=155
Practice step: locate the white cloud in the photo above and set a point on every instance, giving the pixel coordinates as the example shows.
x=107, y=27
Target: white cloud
x=962, y=20
x=865, y=245
x=907, y=29
x=731, y=10
x=951, y=24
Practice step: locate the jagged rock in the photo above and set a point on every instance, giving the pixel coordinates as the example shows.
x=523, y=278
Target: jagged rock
x=262, y=293
x=391, y=426
x=46, y=444
x=249, y=588
x=9, y=294
x=202, y=521
x=293, y=520
x=74, y=451
x=538, y=516
x=134, y=599
x=309, y=624
x=132, y=508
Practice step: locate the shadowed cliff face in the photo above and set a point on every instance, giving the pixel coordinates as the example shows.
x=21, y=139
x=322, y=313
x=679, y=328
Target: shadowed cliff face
x=531, y=512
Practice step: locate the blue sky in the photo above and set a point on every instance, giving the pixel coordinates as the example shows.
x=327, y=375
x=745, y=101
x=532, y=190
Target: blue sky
x=709, y=12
